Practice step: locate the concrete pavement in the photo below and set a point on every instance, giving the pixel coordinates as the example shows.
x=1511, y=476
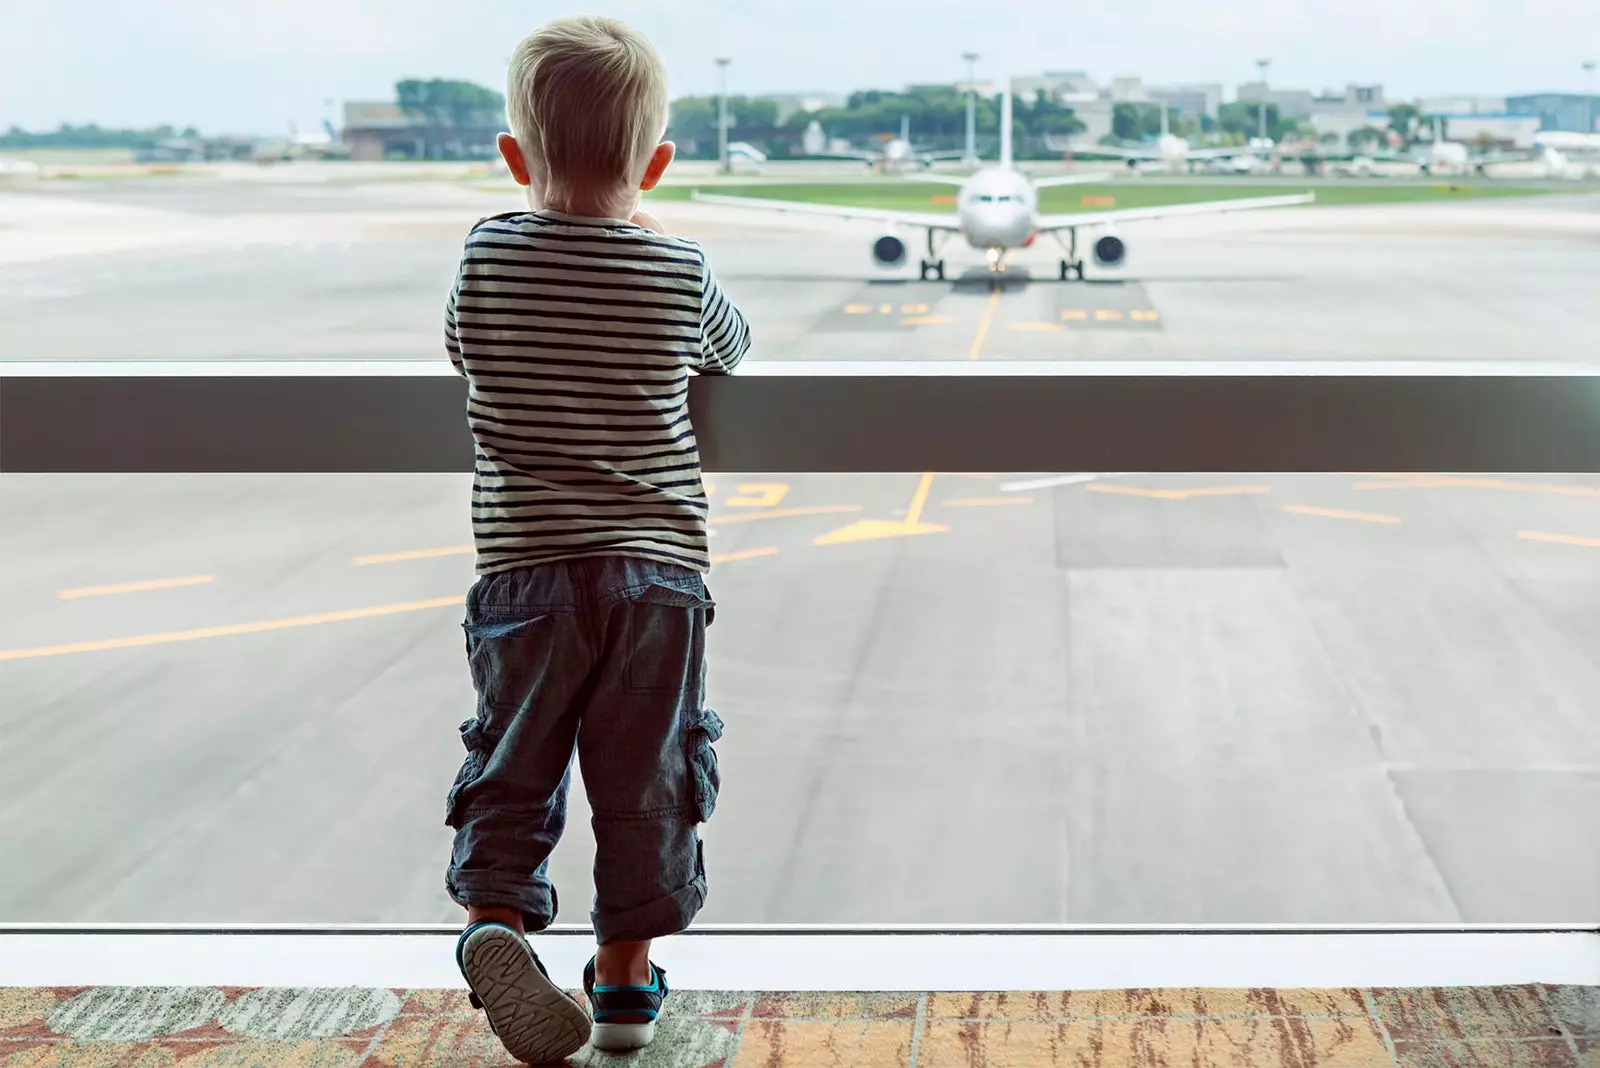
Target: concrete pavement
x=1199, y=698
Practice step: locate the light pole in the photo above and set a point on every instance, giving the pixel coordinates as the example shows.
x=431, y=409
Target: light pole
x=1588, y=96
x=971, y=159
x=722, y=116
x=1262, y=65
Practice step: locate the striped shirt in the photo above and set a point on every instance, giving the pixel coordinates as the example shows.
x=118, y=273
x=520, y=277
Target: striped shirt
x=576, y=337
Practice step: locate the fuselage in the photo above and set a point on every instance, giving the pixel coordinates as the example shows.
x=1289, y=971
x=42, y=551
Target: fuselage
x=998, y=208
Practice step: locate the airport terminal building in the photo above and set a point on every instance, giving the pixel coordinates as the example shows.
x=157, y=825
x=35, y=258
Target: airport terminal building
x=1576, y=112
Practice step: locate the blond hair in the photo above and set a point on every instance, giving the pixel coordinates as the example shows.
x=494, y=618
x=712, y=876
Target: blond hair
x=587, y=100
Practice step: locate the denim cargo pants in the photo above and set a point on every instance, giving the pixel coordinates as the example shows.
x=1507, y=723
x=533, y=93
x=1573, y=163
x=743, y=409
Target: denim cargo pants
x=604, y=657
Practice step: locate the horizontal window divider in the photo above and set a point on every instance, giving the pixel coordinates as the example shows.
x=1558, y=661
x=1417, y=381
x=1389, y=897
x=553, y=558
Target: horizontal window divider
x=394, y=416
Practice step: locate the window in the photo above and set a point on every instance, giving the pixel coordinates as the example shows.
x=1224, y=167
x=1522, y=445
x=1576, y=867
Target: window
x=1096, y=696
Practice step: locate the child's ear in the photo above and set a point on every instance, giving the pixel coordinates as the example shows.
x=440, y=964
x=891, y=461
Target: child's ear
x=511, y=152
x=660, y=160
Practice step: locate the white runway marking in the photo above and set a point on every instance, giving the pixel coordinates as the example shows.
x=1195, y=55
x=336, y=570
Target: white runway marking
x=1059, y=480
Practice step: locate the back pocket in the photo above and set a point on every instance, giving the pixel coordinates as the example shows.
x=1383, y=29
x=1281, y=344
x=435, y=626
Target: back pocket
x=667, y=642
x=510, y=659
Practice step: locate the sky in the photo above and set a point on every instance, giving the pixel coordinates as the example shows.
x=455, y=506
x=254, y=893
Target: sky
x=256, y=66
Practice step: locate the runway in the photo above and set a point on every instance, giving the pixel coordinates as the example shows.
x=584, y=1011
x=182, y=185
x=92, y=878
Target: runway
x=983, y=697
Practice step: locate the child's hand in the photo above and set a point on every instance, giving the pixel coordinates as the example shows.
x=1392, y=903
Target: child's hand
x=649, y=222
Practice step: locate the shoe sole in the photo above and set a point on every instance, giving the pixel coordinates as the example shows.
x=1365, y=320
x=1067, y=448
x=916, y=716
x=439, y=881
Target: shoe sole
x=533, y=1018
x=622, y=1036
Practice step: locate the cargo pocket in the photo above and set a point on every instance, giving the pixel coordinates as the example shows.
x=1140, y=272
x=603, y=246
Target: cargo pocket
x=705, y=778
x=667, y=641
x=480, y=745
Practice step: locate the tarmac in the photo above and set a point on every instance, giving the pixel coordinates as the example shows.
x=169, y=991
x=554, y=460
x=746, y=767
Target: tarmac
x=985, y=697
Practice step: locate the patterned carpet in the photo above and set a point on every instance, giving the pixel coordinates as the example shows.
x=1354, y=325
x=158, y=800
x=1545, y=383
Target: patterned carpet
x=205, y=1027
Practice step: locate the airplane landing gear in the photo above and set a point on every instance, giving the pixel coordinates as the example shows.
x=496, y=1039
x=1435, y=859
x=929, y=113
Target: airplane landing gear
x=1071, y=263
x=933, y=267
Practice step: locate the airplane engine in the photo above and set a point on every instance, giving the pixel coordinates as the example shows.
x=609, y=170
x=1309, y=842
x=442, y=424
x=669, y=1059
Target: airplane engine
x=889, y=251
x=1110, y=251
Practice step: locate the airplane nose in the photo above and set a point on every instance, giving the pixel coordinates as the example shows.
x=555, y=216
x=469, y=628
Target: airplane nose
x=999, y=226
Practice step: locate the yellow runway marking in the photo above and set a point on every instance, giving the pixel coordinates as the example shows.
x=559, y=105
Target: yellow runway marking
x=928, y=320
x=913, y=309
x=293, y=622
x=877, y=529
x=231, y=629
x=919, y=499
x=1037, y=326
x=784, y=513
x=1336, y=513
x=762, y=494
x=135, y=587
x=983, y=326
x=885, y=309
x=1447, y=481
x=1107, y=314
x=411, y=554
x=745, y=554
x=1143, y=316
x=857, y=309
x=984, y=502
x=1075, y=314
x=1559, y=539
x=1176, y=494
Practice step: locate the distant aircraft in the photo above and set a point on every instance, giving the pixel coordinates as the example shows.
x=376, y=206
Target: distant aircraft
x=997, y=211
x=318, y=144
x=1555, y=154
x=898, y=154
x=745, y=152
x=1173, y=153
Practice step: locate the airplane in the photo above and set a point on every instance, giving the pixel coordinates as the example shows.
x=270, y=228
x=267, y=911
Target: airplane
x=897, y=154
x=997, y=210
x=1555, y=154
x=1173, y=153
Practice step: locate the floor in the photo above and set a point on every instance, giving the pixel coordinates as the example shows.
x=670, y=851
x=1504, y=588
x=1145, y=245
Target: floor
x=206, y=1027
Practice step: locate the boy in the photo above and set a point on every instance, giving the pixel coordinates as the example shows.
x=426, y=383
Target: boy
x=576, y=325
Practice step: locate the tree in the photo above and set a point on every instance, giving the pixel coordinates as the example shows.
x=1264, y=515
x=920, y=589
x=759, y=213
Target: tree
x=692, y=124
x=1364, y=138
x=1132, y=122
x=1403, y=120
x=455, y=104
x=1243, y=118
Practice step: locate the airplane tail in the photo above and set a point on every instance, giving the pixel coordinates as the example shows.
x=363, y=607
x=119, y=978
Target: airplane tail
x=1005, y=124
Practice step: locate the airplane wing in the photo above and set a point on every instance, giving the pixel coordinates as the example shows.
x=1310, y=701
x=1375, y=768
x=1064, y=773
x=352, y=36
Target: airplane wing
x=1208, y=207
x=1223, y=153
x=937, y=179
x=926, y=219
x=1107, y=151
x=1070, y=179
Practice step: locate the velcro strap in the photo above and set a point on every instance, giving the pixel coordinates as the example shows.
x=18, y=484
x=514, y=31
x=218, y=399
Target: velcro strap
x=625, y=1001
